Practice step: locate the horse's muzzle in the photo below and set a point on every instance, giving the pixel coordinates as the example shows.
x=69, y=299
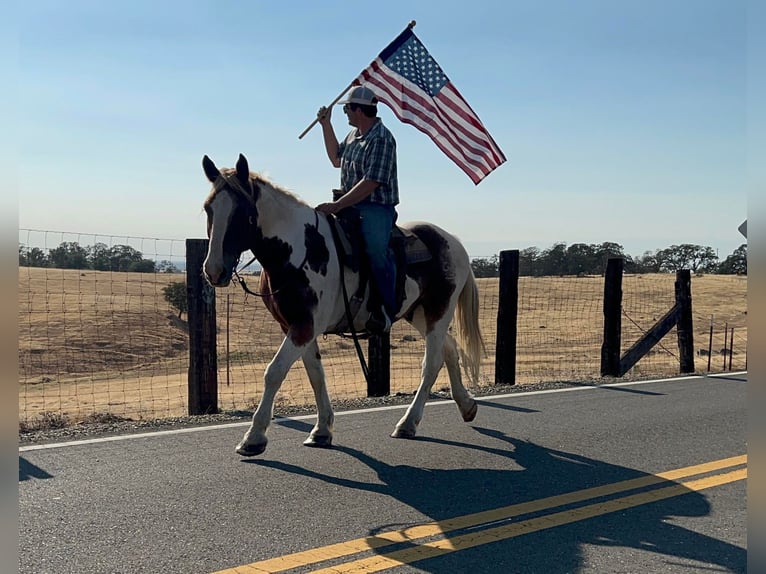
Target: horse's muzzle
x=221, y=279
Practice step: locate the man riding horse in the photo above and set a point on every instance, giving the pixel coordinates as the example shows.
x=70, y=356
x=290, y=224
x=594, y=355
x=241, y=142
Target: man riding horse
x=368, y=179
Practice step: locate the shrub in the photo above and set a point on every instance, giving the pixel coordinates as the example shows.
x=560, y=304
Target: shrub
x=175, y=294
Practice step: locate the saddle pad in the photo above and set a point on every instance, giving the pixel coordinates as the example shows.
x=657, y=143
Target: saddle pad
x=415, y=250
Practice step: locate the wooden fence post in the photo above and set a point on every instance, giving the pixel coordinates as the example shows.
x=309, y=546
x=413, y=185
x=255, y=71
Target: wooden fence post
x=684, y=327
x=203, y=355
x=379, y=370
x=507, y=318
x=610, y=348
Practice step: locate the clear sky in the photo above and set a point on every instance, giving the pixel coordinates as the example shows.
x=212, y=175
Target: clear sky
x=621, y=121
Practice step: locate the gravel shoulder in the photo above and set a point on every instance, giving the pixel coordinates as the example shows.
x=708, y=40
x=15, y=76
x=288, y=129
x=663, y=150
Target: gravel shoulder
x=117, y=426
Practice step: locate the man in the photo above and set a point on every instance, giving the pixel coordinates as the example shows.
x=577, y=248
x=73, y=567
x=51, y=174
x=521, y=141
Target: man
x=368, y=180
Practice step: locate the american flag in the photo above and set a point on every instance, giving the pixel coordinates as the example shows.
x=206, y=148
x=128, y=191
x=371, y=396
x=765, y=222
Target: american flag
x=407, y=79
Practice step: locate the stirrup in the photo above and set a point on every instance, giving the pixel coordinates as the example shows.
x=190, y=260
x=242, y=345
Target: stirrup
x=379, y=322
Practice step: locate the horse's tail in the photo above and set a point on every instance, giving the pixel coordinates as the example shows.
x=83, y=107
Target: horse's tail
x=467, y=330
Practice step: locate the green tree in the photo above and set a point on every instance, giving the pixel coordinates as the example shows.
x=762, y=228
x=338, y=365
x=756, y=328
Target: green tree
x=34, y=257
x=554, y=259
x=142, y=266
x=166, y=266
x=688, y=256
x=607, y=250
x=175, y=294
x=121, y=257
x=99, y=257
x=736, y=263
x=581, y=259
x=69, y=255
x=483, y=267
x=529, y=262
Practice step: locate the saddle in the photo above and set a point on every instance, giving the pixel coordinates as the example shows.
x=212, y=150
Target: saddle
x=407, y=248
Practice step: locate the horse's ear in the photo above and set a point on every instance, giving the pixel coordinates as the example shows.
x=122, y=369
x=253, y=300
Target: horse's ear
x=243, y=171
x=211, y=171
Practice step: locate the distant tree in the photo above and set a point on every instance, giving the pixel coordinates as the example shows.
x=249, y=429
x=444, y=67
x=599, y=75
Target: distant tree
x=69, y=255
x=581, y=259
x=553, y=260
x=175, y=294
x=100, y=257
x=687, y=256
x=36, y=258
x=736, y=263
x=142, y=266
x=529, y=262
x=485, y=267
x=28, y=256
x=166, y=266
x=646, y=263
x=604, y=252
x=121, y=257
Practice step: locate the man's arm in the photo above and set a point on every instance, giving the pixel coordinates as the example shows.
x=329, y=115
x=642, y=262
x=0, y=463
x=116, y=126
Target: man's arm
x=330, y=140
x=356, y=194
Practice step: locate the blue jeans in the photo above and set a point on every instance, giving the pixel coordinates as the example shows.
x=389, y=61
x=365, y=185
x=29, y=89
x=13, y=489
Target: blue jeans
x=377, y=220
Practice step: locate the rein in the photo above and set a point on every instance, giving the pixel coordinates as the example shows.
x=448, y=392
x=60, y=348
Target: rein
x=244, y=286
x=235, y=185
x=332, y=220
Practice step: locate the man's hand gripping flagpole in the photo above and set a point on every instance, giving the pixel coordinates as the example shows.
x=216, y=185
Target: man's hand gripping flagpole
x=343, y=93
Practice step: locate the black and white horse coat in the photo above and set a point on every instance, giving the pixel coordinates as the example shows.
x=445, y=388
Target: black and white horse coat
x=301, y=287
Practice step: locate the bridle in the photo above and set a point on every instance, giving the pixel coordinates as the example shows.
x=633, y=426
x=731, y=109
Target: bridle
x=225, y=181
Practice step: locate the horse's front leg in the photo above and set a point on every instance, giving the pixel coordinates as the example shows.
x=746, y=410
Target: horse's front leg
x=254, y=441
x=321, y=434
x=432, y=364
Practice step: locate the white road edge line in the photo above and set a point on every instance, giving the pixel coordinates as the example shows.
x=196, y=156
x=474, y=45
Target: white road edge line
x=187, y=430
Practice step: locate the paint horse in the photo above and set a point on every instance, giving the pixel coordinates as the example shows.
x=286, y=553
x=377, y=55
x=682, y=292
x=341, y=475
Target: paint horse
x=301, y=287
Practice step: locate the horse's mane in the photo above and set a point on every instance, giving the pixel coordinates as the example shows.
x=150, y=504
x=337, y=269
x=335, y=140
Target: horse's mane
x=281, y=195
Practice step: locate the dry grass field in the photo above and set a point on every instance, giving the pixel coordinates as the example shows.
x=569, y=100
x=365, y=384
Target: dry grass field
x=95, y=343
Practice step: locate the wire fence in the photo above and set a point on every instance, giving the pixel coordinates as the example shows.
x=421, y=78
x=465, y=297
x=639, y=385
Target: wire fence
x=101, y=343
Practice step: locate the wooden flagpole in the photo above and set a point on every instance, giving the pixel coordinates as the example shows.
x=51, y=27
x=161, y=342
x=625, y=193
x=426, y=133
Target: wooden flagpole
x=343, y=93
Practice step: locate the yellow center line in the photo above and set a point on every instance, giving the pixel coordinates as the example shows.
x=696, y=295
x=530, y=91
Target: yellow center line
x=412, y=534
x=379, y=563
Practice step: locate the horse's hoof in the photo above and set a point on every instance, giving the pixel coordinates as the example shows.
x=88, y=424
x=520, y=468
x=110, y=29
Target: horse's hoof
x=250, y=449
x=403, y=433
x=316, y=441
x=471, y=413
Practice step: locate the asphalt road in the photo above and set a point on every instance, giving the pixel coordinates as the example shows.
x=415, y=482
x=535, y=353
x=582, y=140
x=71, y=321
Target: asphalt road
x=641, y=477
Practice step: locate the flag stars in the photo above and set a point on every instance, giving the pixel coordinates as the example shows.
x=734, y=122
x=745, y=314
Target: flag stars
x=413, y=62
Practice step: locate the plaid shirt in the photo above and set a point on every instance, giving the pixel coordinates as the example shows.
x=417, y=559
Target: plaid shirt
x=370, y=156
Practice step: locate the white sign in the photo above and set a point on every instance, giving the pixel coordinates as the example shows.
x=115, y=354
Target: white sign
x=743, y=228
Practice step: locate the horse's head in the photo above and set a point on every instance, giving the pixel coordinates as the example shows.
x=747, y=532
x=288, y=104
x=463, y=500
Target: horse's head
x=231, y=214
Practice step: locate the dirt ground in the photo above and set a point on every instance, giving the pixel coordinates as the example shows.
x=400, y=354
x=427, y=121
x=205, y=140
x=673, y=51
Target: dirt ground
x=95, y=342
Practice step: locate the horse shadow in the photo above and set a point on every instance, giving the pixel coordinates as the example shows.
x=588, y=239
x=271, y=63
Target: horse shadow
x=28, y=470
x=533, y=472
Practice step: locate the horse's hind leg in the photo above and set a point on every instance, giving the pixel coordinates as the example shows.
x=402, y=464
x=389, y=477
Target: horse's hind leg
x=432, y=363
x=321, y=434
x=254, y=441
x=465, y=401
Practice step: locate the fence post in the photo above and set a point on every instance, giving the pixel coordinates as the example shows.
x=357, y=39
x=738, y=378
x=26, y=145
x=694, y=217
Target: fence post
x=507, y=318
x=203, y=355
x=610, y=348
x=684, y=327
x=379, y=370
